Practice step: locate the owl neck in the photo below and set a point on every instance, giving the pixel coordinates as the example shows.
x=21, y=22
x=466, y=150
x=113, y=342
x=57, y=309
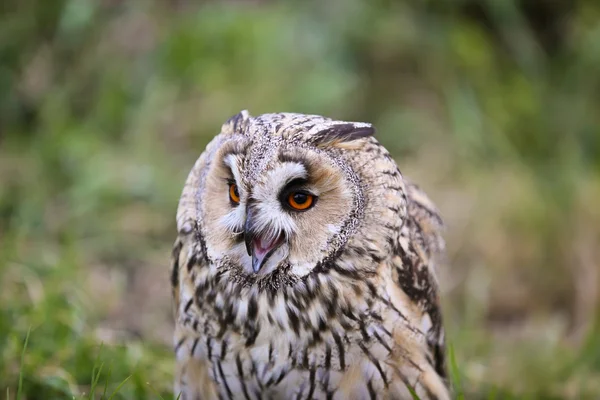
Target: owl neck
x=336, y=295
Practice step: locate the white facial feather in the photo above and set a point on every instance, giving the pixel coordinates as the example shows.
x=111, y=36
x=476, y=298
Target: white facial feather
x=285, y=173
x=233, y=161
x=234, y=220
x=271, y=218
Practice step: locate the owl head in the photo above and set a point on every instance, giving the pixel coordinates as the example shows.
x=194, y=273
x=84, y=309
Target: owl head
x=276, y=197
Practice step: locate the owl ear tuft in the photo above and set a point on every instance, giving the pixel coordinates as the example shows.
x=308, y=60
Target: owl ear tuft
x=237, y=123
x=343, y=132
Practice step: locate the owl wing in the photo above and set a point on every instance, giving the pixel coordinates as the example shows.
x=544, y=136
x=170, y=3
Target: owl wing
x=192, y=375
x=425, y=228
x=420, y=247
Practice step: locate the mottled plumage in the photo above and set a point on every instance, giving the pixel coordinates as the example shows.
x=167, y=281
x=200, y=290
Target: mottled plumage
x=337, y=300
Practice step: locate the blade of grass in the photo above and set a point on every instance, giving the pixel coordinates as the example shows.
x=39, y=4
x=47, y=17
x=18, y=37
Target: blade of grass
x=95, y=381
x=155, y=391
x=19, y=390
x=106, y=382
x=119, y=387
x=455, y=372
x=96, y=375
x=413, y=393
x=96, y=360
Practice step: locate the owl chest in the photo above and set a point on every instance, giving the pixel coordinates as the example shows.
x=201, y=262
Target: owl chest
x=317, y=371
x=266, y=361
x=290, y=348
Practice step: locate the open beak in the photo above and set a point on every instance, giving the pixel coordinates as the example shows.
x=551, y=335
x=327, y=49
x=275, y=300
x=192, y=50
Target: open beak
x=259, y=248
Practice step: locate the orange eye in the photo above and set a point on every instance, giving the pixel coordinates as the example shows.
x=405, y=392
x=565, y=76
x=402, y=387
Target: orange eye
x=300, y=200
x=234, y=195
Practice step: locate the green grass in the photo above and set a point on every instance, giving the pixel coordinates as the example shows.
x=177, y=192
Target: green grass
x=104, y=107
x=58, y=383
x=455, y=374
x=19, y=391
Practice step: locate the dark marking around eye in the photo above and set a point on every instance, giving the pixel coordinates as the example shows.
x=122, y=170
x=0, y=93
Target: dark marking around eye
x=297, y=182
x=295, y=190
x=309, y=166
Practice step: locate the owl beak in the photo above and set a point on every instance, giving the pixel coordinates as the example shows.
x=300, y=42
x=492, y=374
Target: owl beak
x=261, y=251
x=258, y=247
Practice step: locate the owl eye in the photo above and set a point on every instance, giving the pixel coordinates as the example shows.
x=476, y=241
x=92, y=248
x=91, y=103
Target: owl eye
x=234, y=194
x=300, y=201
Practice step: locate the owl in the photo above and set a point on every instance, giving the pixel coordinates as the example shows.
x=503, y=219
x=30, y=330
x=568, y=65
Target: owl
x=304, y=268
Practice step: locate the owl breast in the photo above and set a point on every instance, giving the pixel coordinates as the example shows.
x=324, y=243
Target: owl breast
x=336, y=342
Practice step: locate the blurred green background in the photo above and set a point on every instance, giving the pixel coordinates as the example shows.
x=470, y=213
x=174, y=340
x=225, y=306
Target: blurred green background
x=493, y=106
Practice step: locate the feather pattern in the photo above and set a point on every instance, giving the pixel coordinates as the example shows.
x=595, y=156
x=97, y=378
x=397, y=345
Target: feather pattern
x=347, y=307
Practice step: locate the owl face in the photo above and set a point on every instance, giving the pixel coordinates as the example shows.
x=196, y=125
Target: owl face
x=277, y=195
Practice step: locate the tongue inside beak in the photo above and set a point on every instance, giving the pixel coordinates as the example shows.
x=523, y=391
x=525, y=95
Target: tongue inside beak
x=261, y=251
